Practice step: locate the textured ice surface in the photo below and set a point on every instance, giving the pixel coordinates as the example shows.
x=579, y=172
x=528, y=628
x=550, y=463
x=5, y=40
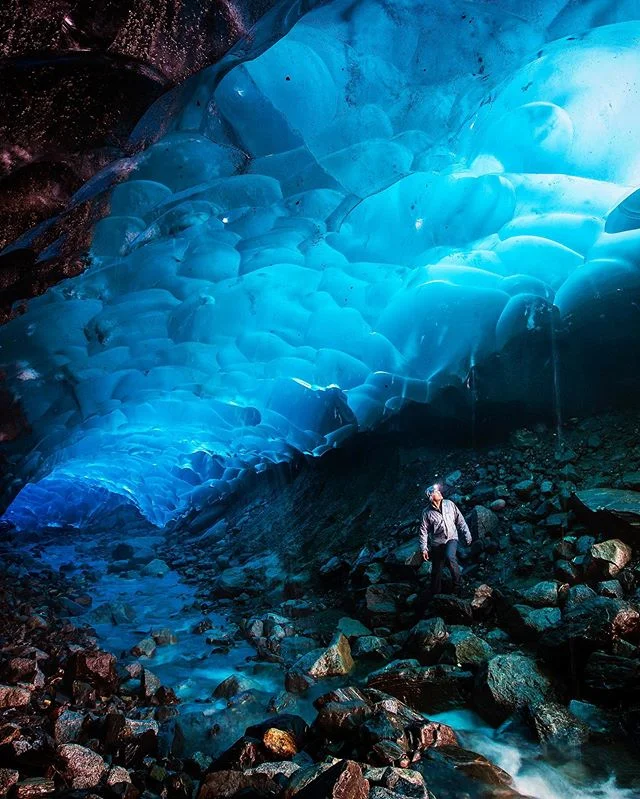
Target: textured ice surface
x=329, y=229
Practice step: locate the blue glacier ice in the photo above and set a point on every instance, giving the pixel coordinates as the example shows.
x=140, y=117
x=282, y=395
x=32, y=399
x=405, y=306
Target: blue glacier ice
x=331, y=226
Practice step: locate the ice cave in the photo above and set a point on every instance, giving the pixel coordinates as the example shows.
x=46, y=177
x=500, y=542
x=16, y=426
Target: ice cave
x=359, y=249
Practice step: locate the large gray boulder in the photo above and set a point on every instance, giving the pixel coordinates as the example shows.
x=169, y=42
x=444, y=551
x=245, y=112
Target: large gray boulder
x=507, y=684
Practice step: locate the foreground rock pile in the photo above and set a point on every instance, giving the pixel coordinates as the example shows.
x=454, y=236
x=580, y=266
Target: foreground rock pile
x=545, y=635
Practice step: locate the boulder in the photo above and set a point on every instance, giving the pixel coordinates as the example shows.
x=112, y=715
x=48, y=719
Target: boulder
x=465, y=649
x=14, y=696
x=225, y=784
x=234, y=684
x=155, y=568
x=283, y=735
x=610, y=588
x=372, y=647
x=482, y=523
x=83, y=768
x=432, y=689
x=342, y=780
x=541, y=595
x=607, y=559
x=577, y=594
x=509, y=683
x=528, y=624
x=426, y=640
x=331, y=661
x=610, y=678
x=483, y=601
x=609, y=508
x=68, y=727
x=352, y=628
x=590, y=625
x=96, y=668
x=451, y=609
x=558, y=728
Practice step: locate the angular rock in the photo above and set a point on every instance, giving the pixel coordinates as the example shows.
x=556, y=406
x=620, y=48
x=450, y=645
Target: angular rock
x=607, y=559
x=83, y=768
x=284, y=735
x=482, y=523
x=352, y=628
x=466, y=650
x=68, y=727
x=509, y=683
x=146, y=647
x=558, y=728
x=371, y=647
x=8, y=778
x=610, y=678
x=483, y=601
x=155, y=568
x=96, y=668
x=33, y=787
x=451, y=609
x=432, y=689
x=528, y=624
x=226, y=784
x=607, y=508
x=590, y=625
x=541, y=595
x=333, y=661
x=611, y=588
x=234, y=684
x=426, y=640
x=577, y=594
x=343, y=780
x=14, y=696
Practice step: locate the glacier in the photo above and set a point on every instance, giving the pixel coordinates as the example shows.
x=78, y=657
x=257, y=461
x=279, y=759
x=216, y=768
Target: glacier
x=338, y=222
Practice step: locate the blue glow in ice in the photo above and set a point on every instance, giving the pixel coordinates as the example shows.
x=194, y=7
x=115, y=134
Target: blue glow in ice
x=329, y=228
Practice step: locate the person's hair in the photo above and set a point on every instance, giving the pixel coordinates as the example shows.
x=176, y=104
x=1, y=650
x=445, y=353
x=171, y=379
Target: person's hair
x=431, y=489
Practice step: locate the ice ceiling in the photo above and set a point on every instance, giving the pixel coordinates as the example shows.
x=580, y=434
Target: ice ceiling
x=384, y=197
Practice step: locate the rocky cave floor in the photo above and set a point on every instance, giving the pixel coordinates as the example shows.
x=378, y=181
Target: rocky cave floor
x=285, y=646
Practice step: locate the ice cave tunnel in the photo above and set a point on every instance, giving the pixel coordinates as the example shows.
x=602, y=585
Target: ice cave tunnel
x=363, y=207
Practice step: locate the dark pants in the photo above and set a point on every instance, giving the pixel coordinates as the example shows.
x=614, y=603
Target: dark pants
x=441, y=554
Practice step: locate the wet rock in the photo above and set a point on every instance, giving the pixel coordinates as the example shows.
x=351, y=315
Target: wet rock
x=426, y=640
x=146, y=647
x=234, y=684
x=14, y=696
x=541, y=595
x=402, y=782
x=466, y=650
x=509, y=683
x=476, y=767
x=164, y=637
x=607, y=559
x=432, y=689
x=602, y=725
x=343, y=780
x=283, y=736
x=235, y=581
x=558, y=728
x=333, y=661
x=227, y=784
x=156, y=568
x=83, y=768
x=113, y=613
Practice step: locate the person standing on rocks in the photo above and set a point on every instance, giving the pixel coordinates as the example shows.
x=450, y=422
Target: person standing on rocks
x=439, y=528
